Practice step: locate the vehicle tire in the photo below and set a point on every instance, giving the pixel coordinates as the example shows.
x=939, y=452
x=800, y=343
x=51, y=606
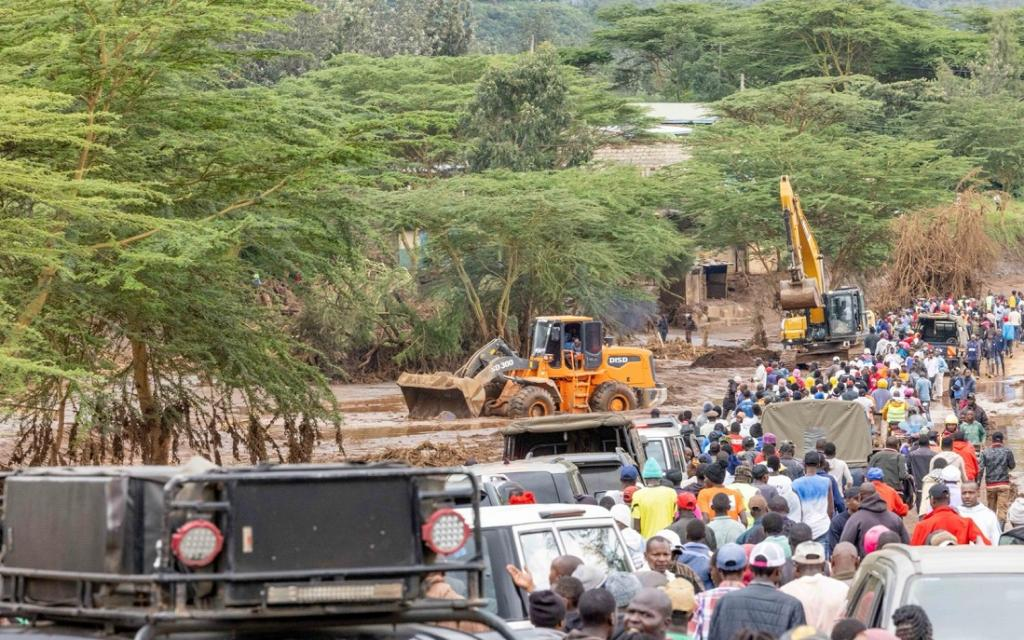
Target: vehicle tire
x=613, y=396
x=531, y=402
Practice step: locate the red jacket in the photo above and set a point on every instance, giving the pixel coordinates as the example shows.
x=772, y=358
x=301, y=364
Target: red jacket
x=966, y=451
x=891, y=497
x=947, y=519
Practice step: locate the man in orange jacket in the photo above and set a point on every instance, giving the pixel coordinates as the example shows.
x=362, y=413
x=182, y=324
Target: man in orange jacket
x=966, y=451
x=945, y=518
x=891, y=497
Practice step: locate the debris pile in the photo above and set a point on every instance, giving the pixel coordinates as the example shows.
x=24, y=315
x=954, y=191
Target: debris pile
x=733, y=357
x=676, y=349
x=945, y=250
x=441, y=454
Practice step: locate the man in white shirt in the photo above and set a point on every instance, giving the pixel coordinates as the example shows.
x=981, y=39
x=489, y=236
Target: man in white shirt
x=837, y=468
x=760, y=374
x=984, y=517
x=823, y=598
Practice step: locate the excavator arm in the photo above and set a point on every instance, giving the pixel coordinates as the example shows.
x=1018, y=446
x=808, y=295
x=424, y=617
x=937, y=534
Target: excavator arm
x=807, y=278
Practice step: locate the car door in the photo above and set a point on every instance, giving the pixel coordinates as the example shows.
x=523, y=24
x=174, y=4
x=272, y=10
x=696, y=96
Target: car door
x=867, y=599
x=537, y=546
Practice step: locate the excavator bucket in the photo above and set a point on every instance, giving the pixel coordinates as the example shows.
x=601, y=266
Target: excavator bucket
x=802, y=295
x=428, y=395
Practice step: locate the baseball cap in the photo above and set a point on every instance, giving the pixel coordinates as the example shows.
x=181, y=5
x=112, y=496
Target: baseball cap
x=874, y=473
x=731, y=557
x=622, y=515
x=767, y=555
x=938, y=491
x=686, y=501
x=809, y=553
x=628, y=473
x=769, y=438
x=680, y=592
x=627, y=493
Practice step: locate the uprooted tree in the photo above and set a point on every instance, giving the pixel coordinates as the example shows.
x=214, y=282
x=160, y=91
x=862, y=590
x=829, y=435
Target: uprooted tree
x=942, y=250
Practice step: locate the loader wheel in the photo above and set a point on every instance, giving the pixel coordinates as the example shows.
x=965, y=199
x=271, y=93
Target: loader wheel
x=613, y=396
x=531, y=402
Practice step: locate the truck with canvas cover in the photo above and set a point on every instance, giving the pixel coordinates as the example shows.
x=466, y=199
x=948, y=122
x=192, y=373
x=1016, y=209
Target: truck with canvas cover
x=838, y=421
x=570, y=369
x=560, y=435
x=287, y=550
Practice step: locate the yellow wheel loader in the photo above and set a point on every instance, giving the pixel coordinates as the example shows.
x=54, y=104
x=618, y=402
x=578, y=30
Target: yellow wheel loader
x=819, y=324
x=569, y=369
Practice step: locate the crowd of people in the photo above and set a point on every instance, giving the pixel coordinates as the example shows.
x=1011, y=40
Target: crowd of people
x=759, y=544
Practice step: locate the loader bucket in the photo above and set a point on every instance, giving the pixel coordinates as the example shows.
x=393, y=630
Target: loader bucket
x=428, y=395
x=804, y=295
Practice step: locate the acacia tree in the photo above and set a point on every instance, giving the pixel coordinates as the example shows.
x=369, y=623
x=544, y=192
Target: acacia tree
x=515, y=245
x=176, y=191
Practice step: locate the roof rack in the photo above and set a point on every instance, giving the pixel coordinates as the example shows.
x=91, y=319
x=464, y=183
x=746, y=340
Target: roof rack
x=160, y=551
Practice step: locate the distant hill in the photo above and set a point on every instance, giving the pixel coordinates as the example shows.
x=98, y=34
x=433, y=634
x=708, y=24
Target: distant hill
x=510, y=26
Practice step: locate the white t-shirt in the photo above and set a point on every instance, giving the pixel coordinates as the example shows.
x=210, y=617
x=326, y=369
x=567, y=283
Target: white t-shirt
x=986, y=520
x=823, y=598
x=839, y=470
x=814, y=492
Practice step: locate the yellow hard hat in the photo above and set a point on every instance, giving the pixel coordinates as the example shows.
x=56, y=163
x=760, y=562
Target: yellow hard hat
x=951, y=419
x=883, y=384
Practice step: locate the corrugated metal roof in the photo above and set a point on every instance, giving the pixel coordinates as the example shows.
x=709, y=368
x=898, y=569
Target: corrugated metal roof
x=679, y=113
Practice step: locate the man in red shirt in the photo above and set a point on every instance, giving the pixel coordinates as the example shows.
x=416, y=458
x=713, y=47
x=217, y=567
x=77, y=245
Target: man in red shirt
x=892, y=497
x=945, y=518
x=966, y=451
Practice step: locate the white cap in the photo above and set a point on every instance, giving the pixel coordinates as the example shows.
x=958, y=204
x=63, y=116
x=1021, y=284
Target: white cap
x=671, y=536
x=622, y=515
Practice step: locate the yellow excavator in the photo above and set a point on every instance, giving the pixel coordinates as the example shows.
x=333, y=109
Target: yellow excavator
x=571, y=368
x=819, y=323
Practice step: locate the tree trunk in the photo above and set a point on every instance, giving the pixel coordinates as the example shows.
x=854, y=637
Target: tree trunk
x=155, y=440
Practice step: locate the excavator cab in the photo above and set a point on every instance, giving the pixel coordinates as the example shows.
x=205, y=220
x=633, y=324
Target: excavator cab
x=845, y=313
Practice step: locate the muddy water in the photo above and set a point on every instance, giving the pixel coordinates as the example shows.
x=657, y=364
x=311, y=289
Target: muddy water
x=376, y=418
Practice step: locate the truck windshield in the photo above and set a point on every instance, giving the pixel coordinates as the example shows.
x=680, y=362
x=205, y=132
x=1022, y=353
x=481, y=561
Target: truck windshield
x=988, y=598
x=938, y=331
x=600, y=478
x=655, y=449
x=596, y=546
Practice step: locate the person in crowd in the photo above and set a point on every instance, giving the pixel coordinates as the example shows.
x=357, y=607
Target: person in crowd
x=570, y=589
x=793, y=468
x=965, y=450
x=873, y=511
x=892, y=497
x=597, y=616
x=760, y=606
x=912, y=623
x=815, y=494
x=822, y=597
x=983, y=517
x=728, y=565
x=653, y=507
x=725, y=528
x=680, y=592
x=919, y=460
x=972, y=429
x=837, y=468
x=845, y=561
x=759, y=475
x=634, y=541
x=623, y=586
x=849, y=629
x=950, y=457
x=943, y=517
x=696, y=554
x=839, y=520
x=892, y=463
x=995, y=465
x=547, y=615
x=714, y=480
x=649, y=613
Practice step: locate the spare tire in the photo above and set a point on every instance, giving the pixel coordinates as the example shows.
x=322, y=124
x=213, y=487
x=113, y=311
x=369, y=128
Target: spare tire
x=613, y=396
x=531, y=402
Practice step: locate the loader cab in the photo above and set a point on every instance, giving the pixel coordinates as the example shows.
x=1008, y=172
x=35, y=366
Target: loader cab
x=560, y=340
